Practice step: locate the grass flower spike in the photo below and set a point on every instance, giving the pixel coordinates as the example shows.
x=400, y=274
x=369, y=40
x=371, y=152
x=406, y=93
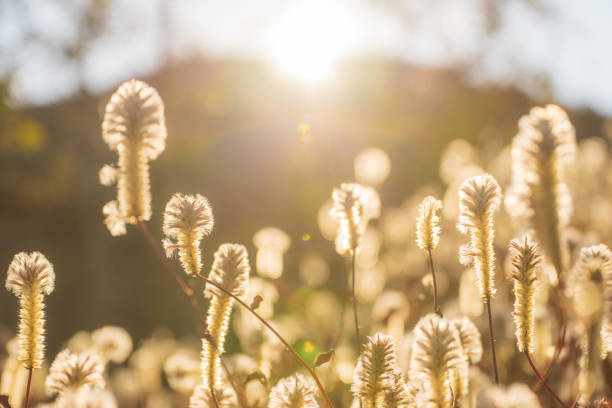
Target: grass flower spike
x=296, y=391
x=541, y=152
x=187, y=219
x=428, y=224
x=479, y=199
x=30, y=277
x=202, y=398
x=134, y=127
x=526, y=262
x=470, y=339
x=354, y=206
x=72, y=372
x=230, y=270
x=438, y=362
x=377, y=379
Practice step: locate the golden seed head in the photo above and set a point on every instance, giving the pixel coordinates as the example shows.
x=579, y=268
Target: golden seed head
x=187, y=219
x=526, y=262
x=112, y=343
x=30, y=276
x=296, y=391
x=74, y=371
x=201, y=398
x=428, y=223
x=470, y=338
x=438, y=362
x=230, y=270
x=134, y=127
x=541, y=153
x=378, y=378
x=354, y=206
x=479, y=199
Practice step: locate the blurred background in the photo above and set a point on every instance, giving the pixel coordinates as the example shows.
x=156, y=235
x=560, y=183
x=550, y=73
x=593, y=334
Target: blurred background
x=268, y=104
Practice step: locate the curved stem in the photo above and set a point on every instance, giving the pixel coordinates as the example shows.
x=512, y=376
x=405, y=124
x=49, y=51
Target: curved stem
x=492, y=339
x=27, y=394
x=193, y=303
x=310, y=370
x=537, y=373
x=435, y=284
x=354, y=301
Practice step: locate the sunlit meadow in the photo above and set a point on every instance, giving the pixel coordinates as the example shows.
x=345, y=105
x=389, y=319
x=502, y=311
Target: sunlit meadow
x=453, y=272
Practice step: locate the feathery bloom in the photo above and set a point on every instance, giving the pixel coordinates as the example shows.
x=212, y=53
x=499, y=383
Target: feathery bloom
x=201, y=397
x=296, y=391
x=438, y=362
x=479, y=199
x=271, y=244
x=74, y=371
x=112, y=343
x=30, y=277
x=591, y=288
x=541, y=152
x=470, y=338
x=377, y=379
x=525, y=265
x=187, y=219
x=428, y=224
x=230, y=270
x=134, y=126
x=354, y=206
x=182, y=370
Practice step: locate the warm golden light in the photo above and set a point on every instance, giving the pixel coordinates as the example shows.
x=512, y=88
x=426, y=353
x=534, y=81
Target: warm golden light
x=309, y=41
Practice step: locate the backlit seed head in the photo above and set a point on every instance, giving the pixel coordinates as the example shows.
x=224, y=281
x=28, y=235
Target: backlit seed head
x=428, y=223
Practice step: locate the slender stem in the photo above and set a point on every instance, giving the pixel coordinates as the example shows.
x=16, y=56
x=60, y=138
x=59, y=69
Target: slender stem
x=435, y=284
x=492, y=339
x=193, y=303
x=354, y=301
x=213, y=397
x=27, y=394
x=560, y=343
x=537, y=373
x=310, y=370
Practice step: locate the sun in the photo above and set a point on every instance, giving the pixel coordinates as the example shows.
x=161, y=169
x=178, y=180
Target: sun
x=309, y=40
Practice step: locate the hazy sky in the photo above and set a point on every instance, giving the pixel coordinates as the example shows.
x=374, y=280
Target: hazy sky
x=566, y=41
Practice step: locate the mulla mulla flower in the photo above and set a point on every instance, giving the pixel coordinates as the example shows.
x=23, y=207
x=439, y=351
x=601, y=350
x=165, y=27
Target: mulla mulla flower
x=428, y=236
x=542, y=152
x=75, y=371
x=134, y=126
x=30, y=277
x=187, y=219
x=230, y=271
x=296, y=391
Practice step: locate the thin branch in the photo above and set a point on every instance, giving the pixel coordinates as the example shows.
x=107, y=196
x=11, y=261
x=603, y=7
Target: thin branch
x=537, y=373
x=310, y=370
x=435, y=284
x=492, y=339
x=27, y=394
x=193, y=303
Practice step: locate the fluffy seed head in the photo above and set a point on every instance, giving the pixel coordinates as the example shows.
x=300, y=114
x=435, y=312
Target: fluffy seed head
x=187, y=219
x=377, y=379
x=230, y=270
x=74, y=371
x=470, y=338
x=30, y=276
x=541, y=152
x=526, y=262
x=296, y=391
x=438, y=362
x=112, y=343
x=201, y=398
x=86, y=398
x=354, y=206
x=428, y=223
x=134, y=127
x=479, y=199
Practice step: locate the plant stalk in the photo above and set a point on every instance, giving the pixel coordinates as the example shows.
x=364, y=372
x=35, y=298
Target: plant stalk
x=492, y=339
x=537, y=373
x=27, y=394
x=435, y=284
x=354, y=301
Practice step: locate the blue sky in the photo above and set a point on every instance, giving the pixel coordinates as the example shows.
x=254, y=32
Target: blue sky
x=565, y=41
